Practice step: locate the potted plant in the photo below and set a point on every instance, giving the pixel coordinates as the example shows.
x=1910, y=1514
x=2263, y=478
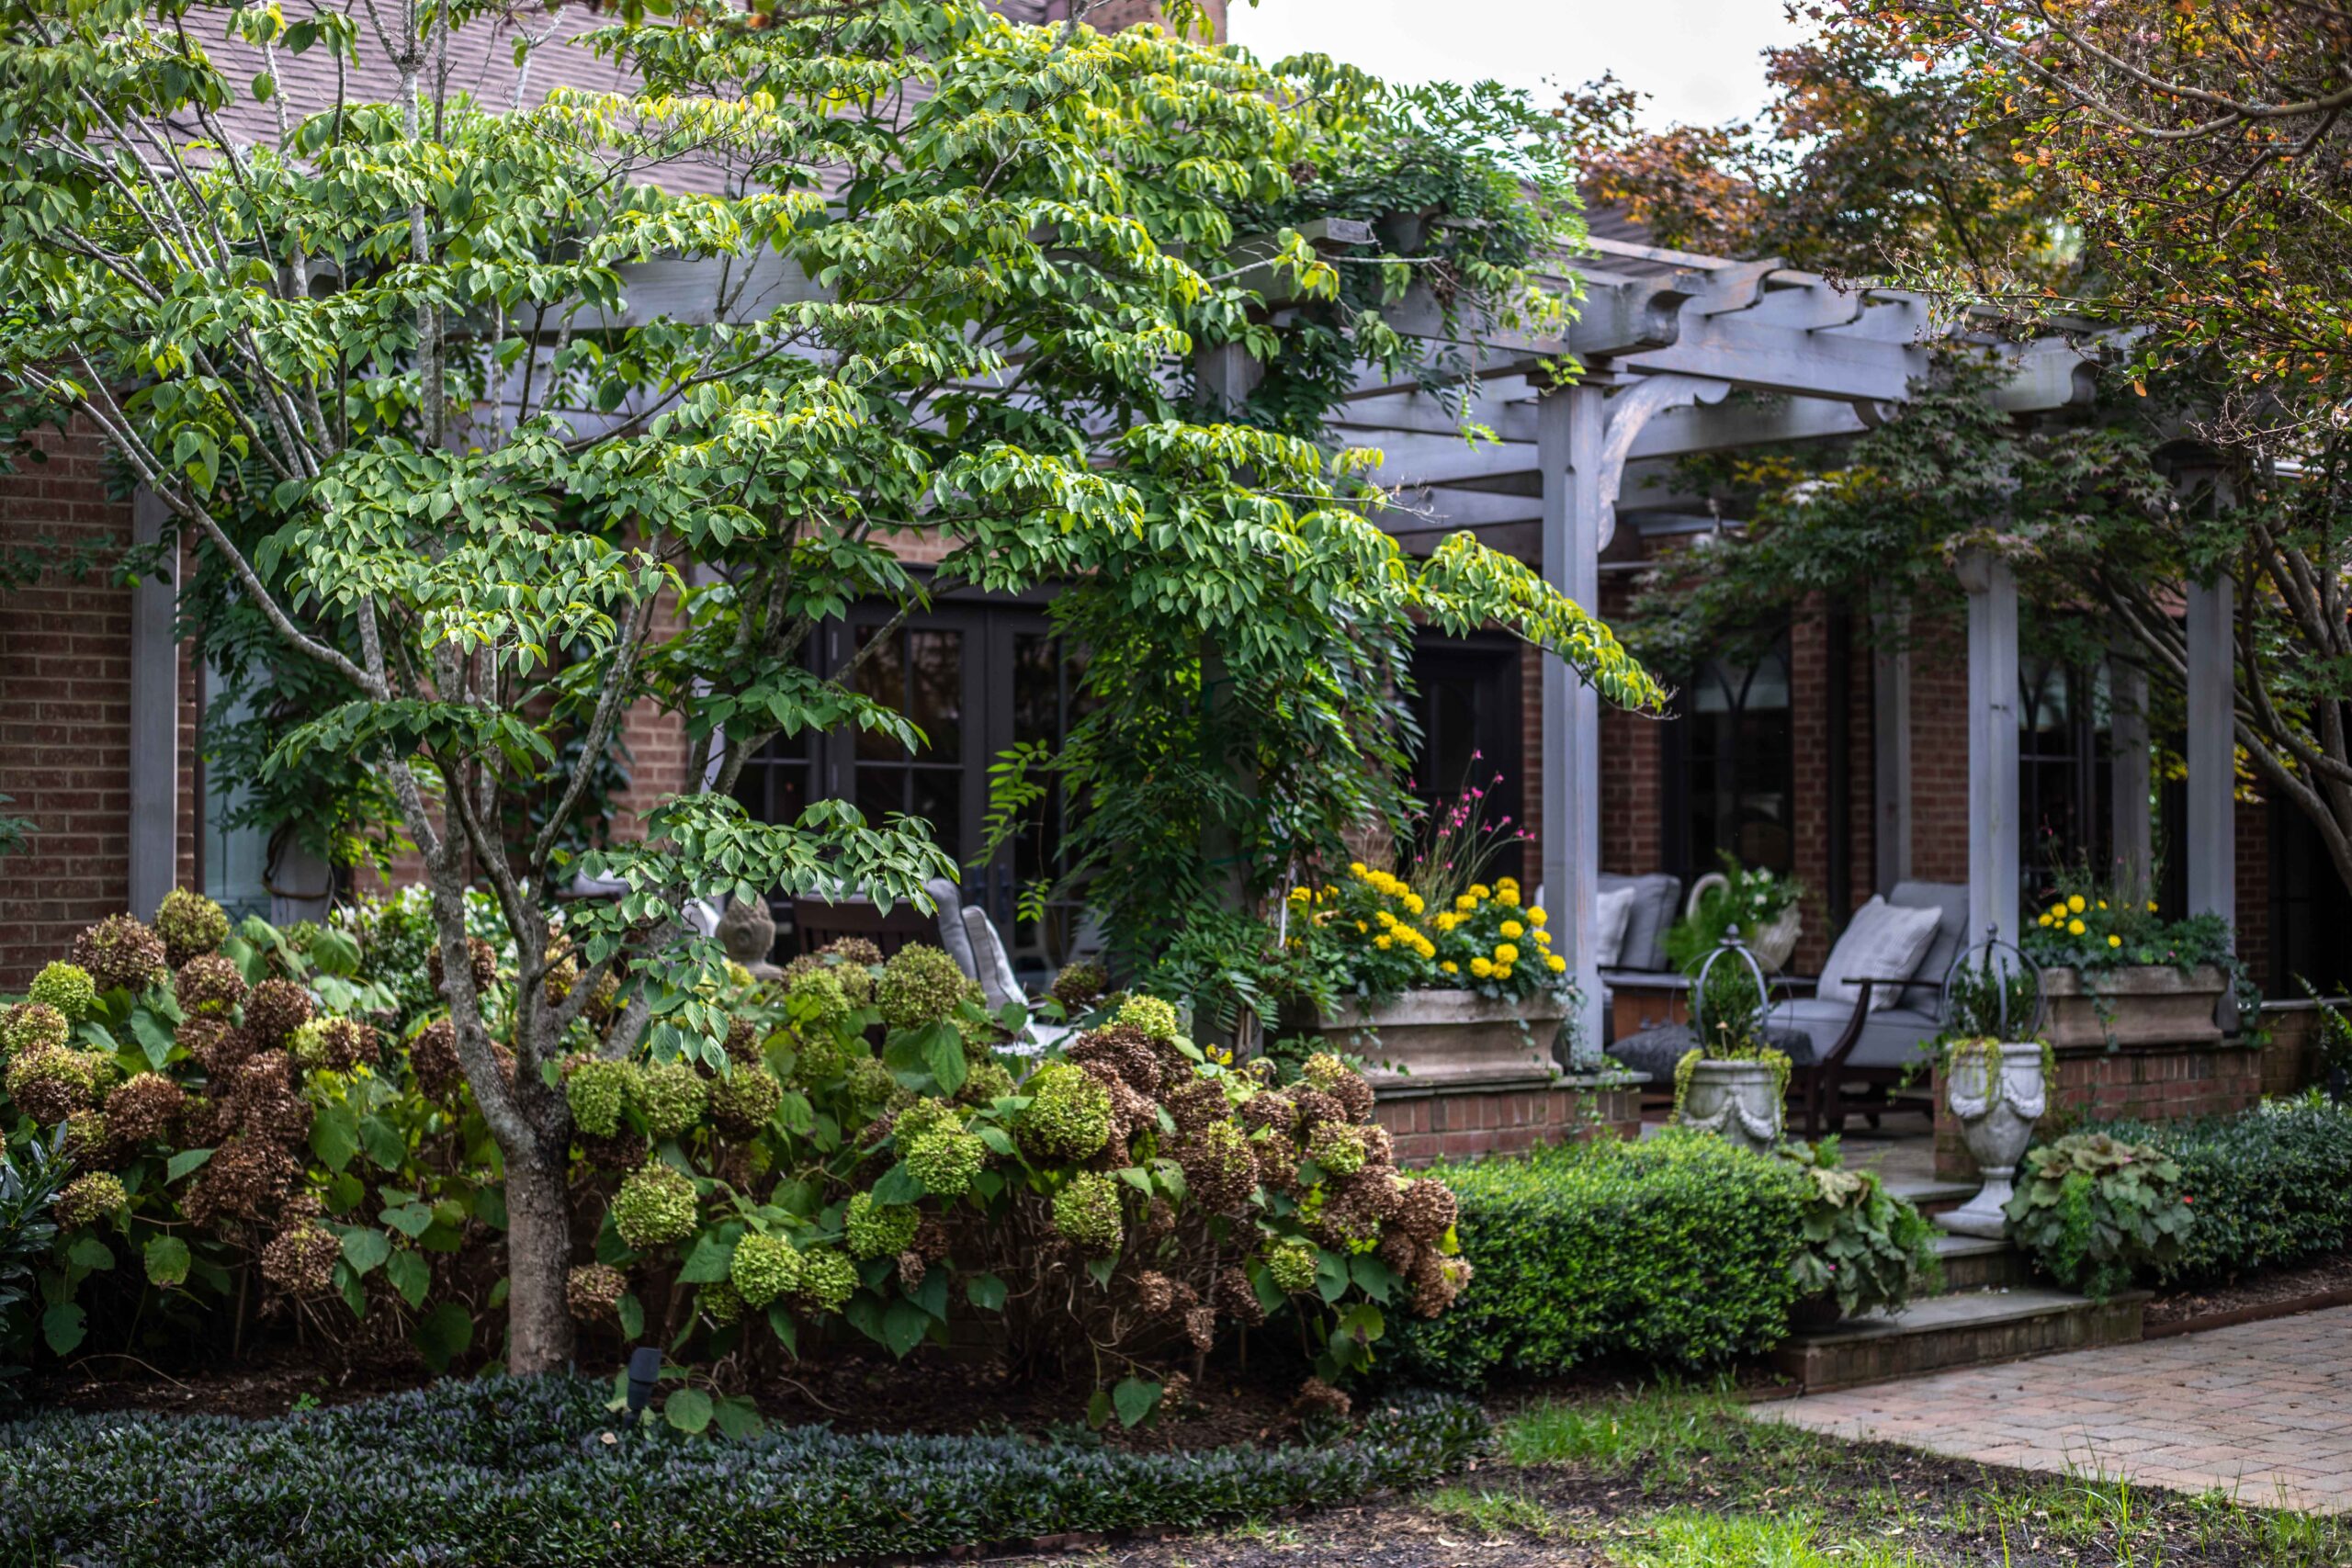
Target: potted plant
x=1731, y=1083
x=1864, y=1249
x=1997, y=1072
x=2116, y=974
x=1765, y=907
x=1441, y=978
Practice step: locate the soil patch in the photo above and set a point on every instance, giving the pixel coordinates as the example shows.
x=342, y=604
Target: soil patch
x=2274, y=1293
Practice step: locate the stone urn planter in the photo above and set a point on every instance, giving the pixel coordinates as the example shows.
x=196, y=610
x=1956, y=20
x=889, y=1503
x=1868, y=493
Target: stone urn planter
x=1996, y=1094
x=1740, y=1101
x=1430, y=1042
x=2144, y=1005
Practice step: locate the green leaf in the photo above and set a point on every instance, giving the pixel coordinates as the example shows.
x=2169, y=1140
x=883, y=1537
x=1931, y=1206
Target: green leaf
x=180, y=1164
x=943, y=1052
x=995, y=1138
x=364, y=1248
x=903, y=1326
x=1098, y=1408
x=155, y=1039
x=335, y=1136
x=865, y=1314
x=167, y=1261
x=411, y=1275
x=687, y=1409
x=780, y=1323
x=1331, y=1275
x=897, y=1188
x=985, y=1292
x=714, y=1251
x=410, y=1218
x=793, y=1111
x=739, y=1417
x=444, y=1334
x=347, y=1279
x=1134, y=1399
x=632, y=1315
x=382, y=1141
x=89, y=1252
x=62, y=1327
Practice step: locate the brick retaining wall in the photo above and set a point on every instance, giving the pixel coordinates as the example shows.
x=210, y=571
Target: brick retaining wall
x=1462, y=1125
x=2149, y=1084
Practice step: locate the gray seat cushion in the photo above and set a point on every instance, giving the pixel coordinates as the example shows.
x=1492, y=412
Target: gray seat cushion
x=1656, y=896
x=1894, y=1037
x=1950, y=901
x=952, y=936
x=1657, y=1051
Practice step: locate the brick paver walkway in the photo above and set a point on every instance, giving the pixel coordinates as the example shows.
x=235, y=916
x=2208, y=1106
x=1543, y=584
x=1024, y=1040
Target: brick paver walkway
x=2262, y=1411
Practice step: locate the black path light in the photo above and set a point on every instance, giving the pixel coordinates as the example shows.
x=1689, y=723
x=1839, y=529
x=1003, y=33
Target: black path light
x=644, y=1371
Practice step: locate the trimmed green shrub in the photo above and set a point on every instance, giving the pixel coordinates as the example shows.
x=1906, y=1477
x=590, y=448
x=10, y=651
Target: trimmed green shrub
x=1675, y=1249
x=2094, y=1212
x=511, y=1472
x=2268, y=1187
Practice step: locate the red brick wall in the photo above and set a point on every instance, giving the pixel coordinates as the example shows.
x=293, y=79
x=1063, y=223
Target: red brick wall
x=2254, y=888
x=1939, y=755
x=2156, y=1085
x=1633, y=779
x=1809, y=780
x=66, y=715
x=1428, y=1127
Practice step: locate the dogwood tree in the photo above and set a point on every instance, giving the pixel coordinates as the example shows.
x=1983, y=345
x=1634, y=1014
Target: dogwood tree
x=516, y=416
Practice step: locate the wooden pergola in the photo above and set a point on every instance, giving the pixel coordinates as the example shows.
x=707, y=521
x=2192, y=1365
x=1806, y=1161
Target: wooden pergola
x=1665, y=339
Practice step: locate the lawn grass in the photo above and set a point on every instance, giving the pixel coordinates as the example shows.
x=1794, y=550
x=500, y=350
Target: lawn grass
x=1677, y=1476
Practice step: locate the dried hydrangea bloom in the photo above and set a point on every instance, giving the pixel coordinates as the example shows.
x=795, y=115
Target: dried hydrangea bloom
x=1318, y=1398
x=1080, y=984
x=190, y=924
x=1155, y=1292
x=1237, y=1298
x=120, y=953
x=50, y=1084
x=87, y=1199
x=144, y=1109
x=245, y=1181
x=33, y=1026
x=334, y=1044
x=432, y=1057
x=1126, y=1049
x=1426, y=1210
x=742, y=1100
x=481, y=961
x=1220, y=1169
x=300, y=1262
x=276, y=1009
x=592, y=1293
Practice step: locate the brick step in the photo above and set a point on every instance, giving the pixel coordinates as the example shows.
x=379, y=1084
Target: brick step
x=1969, y=1328
x=1975, y=1263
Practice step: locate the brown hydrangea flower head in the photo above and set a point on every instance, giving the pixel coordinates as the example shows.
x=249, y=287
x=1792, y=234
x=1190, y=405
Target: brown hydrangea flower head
x=209, y=986
x=432, y=1057
x=300, y=1260
x=276, y=1009
x=144, y=1109
x=592, y=1293
x=121, y=953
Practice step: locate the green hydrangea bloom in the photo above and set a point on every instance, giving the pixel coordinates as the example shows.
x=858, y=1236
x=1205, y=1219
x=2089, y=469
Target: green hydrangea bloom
x=744, y=1100
x=598, y=1093
x=923, y=1117
x=946, y=1161
x=820, y=998
x=1291, y=1264
x=921, y=985
x=190, y=925
x=67, y=987
x=1323, y=1069
x=721, y=1302
x=879, y=1230
x=828, y=1280
x=986, y=1082
x=89, y=1198
x=818, y=1057
x=1154, y=1017
x=33, y=1026
x=670, y=1096
x=654, y=1207
x=1338, y=1148
x=1069, y=1115
x=870, y=1083
x=1087, y=1211
x=764, y=1268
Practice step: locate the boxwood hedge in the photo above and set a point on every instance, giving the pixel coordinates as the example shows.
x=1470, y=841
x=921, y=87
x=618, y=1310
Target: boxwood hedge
x=502, y=1470
x=2269, y=1186
x=1675, y=1249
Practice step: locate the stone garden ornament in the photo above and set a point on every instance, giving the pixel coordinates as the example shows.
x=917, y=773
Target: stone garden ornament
x=1995, y=1079
x=1737, y=1096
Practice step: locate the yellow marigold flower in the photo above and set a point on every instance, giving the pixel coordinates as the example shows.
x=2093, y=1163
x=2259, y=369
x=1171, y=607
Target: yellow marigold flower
x=1480, y=890
x=1362, y=927
x=2058, y=910
x=1450, y=967
x=2114, y=941
x=1513, y=930
x=1300, y=895
x=1481, y=968
x=1507, y=884
x=1536, y=917
x=2075, y=927
x=1556, y=963
x=1502, y=971
x=1383, y=942
x=1506, y=953
x=1508, y=897
x=1465, y=903
x=2042, y=919
x=2075, y=904
x=1357, y=867
x=1385, y=917
x=1542, y=939
x=2152, y=906
x=1414, y=904
x=2102, y=903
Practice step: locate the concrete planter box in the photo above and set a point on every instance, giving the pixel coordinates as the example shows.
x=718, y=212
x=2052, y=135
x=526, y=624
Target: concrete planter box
x=2151, y=1005
x=1444, y=1042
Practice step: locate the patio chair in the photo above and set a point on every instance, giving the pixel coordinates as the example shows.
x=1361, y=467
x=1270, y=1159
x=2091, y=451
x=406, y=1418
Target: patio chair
x=1861, y=1053
x=815, y=921
x=1640, y=989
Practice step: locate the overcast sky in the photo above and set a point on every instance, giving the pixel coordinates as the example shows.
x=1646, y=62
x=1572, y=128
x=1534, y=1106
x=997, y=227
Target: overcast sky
x=1697, y=58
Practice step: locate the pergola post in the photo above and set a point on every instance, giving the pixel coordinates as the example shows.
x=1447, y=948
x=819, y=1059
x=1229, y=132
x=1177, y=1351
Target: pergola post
x=154, y=722
x=1569, y=429
x=2134, y=825
x=1993, y=848
x=2210, y=835
x=1891, y=749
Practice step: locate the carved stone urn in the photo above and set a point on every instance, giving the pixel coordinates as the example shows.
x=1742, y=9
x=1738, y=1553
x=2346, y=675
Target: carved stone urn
x=1738, y=1100
x=1996, y=1093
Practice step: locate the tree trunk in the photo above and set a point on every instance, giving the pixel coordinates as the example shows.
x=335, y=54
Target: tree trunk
x=539, y=1259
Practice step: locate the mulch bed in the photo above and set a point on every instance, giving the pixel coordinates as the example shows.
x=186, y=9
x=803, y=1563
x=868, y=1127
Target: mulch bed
x=2274, y=1293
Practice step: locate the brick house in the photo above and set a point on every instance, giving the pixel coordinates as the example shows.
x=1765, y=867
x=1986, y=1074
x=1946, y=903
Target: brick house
x=1787, y=762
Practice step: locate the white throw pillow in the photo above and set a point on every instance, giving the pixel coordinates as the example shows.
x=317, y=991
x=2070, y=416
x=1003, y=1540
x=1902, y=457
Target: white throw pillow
x=1883, y=942
x=1612, y=914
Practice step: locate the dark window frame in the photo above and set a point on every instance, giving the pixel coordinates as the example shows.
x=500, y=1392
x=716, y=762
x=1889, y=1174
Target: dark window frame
x=1679, y=852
